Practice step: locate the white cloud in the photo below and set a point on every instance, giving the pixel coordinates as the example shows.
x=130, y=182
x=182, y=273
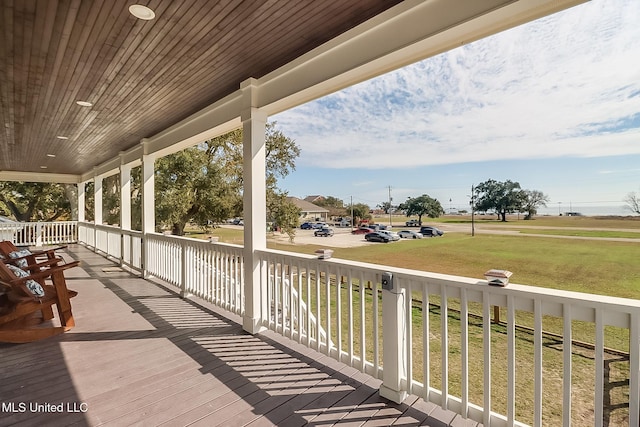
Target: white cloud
x=566, y=85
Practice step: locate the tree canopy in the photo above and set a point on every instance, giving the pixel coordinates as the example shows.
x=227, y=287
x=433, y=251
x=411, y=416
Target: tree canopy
x=500, y=197
x=507, y=197
x=533, y=199
x=203, y=184
x=633, y=202
x=360, y=212
x=421, y=206
x=34, y=201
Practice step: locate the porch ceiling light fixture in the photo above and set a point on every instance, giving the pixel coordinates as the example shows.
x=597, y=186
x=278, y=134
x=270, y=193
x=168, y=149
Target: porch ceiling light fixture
x=62, y=137
x=142, y=12
x=43, y=167
x=51, y=155
x=84, y=103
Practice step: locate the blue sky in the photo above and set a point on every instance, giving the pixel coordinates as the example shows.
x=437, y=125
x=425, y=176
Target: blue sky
x=554, y=105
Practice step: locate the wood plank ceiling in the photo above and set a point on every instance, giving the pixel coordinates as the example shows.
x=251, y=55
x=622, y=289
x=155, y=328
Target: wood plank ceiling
x=141, y=76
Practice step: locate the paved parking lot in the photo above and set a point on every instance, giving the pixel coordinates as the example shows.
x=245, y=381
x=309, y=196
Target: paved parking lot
x=342, y=238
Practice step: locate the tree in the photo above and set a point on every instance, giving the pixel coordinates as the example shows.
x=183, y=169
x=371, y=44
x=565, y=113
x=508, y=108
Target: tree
x=422, y=205
x=333, y=204
x=360, y=212
x=34, y=201
x=283, y=213
x=203, y=184
x=633, y=202
x=532, y=201
x=501, y=197
x=386, y=207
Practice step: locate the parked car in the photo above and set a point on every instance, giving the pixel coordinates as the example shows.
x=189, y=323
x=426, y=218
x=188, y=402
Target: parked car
x=409, y=234
x=362, y=230
x=412, y=223
x=428, y=231
x=306, y=226
x=323, y=232
x=238, y=221
x=394, y=236
x=319, y=225
x=377, y=236
x=342, y=222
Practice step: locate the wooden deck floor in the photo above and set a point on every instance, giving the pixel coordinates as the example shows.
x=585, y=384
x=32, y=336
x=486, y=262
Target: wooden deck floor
x=140, y=355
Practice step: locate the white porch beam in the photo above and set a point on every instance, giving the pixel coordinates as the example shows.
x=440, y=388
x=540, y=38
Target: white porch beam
x=39, y=177
x=254, y=205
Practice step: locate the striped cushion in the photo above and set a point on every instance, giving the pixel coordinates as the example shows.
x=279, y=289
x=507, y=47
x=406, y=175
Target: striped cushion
x=32, y=285
x=22, y=263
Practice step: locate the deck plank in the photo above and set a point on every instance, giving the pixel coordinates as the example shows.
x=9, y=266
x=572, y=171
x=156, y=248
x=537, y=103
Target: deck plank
x=141, y=355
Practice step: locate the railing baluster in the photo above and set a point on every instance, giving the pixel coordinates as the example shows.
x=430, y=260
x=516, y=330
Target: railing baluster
x=599, y=371
x=511, y=361
x=444, y=338
x=464, y=352
x=408, y=334
x=376, y=331
x=537, y=358
x=426, y=356
x=327, y=285
x=634, y=370
x=567, y=339
x=339, y=314
x=486, y=343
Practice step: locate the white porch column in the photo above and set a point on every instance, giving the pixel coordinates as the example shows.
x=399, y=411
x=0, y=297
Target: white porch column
x=148, y=207
x=97, y=200
x=125, y=211
x=393, y=327
x=125, y=197
x=81, y=201
x=97, y=209
x=148, y=194
x=254, y=205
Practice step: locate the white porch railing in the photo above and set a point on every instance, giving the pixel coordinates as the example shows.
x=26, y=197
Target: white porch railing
x=441, y=339
x=211, y=271
x=452, y=351
x=40, y=233
x=123, y=245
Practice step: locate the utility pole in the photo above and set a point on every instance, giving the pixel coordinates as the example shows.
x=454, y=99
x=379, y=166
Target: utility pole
x=473, y=211
x=353, y=220
x=390, y=199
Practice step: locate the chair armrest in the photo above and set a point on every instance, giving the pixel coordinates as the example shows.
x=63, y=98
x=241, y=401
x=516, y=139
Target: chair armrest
x=48, y=251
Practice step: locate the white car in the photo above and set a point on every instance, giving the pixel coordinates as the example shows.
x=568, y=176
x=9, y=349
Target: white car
x=409, y=234
x=394, y=236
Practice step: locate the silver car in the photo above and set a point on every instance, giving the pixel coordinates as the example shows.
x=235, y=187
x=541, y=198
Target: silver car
x=409, y=234
x=394, y=236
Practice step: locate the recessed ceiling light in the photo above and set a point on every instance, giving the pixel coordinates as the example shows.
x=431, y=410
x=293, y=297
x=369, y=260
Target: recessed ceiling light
x=51, y=155
x=84, y=103
x=62, y=137
x=43, y=167
x=142, y=12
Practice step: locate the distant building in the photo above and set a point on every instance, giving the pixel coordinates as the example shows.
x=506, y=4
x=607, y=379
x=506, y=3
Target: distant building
x=309, y=211
x=314, y=199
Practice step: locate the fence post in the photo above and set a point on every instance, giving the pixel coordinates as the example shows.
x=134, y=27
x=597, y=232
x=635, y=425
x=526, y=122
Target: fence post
x=183, y=272
x=393, y=330
x=39, y=234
